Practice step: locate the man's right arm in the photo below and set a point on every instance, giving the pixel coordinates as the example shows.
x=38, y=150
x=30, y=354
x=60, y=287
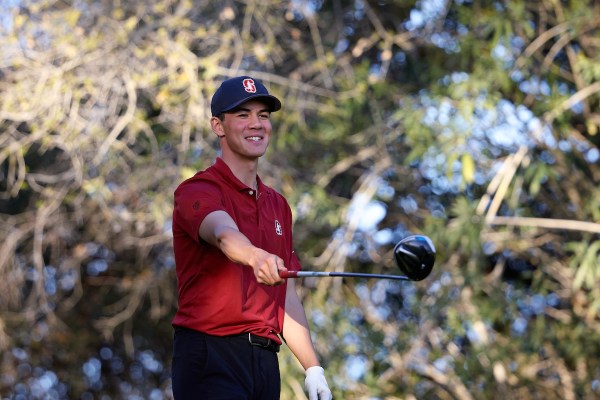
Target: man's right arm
x=220, y=230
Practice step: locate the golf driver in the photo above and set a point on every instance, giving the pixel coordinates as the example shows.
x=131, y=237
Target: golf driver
x=414, y=255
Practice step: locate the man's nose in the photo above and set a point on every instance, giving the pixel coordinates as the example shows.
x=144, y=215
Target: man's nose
x=255, y=120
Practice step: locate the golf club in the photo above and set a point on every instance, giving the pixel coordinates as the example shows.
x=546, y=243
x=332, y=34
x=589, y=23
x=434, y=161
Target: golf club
x=317, y=274
x=414, y=255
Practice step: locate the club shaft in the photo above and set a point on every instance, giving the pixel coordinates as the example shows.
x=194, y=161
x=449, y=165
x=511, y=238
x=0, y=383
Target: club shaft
x=318, y=274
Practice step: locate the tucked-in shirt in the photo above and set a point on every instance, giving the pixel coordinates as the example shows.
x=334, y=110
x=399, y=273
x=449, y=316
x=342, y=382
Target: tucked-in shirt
x=215, y=295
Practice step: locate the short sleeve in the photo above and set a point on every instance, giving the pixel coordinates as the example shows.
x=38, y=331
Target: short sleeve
x=193, y=201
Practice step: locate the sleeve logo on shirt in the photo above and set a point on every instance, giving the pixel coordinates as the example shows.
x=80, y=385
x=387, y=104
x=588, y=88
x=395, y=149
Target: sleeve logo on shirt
x=278, y=229
x=196, y=205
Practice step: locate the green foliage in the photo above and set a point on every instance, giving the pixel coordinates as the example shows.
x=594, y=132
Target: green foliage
x=586, y=262
x=537, y=175
x=465, y=230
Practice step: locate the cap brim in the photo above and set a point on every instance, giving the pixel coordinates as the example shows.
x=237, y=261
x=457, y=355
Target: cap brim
x=271, y=101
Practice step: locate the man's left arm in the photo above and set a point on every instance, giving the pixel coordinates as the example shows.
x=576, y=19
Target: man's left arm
x=296, y=333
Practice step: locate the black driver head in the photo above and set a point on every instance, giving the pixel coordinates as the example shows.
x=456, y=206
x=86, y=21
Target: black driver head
x=415, y=256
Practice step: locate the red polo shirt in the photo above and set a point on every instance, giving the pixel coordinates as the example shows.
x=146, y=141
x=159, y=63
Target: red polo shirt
x=217, y=296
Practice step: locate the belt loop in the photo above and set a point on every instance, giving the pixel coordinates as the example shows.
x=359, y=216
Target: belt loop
x=262, y=342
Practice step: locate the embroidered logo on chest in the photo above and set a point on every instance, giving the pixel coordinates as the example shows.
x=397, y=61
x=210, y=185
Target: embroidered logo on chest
x=278, y=229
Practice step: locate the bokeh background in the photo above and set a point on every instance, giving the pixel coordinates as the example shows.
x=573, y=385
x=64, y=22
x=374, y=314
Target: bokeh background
x=474, y=122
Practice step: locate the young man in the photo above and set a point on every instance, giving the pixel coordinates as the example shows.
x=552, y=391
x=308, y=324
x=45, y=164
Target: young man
x=232, y=236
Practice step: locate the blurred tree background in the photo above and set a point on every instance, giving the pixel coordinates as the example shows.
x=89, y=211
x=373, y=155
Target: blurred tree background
x=474, y=122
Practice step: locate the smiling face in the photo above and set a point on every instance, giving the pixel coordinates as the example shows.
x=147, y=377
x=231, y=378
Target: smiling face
x=245, y=131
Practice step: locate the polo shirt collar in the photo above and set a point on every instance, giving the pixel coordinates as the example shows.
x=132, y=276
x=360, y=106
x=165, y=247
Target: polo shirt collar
x=225, y=173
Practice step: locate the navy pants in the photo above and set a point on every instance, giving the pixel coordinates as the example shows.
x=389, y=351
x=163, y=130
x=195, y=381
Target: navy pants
x=209, y=367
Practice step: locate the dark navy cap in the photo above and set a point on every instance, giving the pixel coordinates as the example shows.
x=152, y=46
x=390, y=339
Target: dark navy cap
x=236, y=91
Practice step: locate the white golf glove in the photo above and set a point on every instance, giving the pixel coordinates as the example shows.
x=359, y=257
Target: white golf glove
x=316, y=385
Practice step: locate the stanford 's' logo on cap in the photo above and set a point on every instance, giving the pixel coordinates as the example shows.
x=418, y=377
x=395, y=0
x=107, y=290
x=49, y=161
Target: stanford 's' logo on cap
x=249, y=85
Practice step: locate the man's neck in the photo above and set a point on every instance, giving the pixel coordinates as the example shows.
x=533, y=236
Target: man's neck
x=244, y=170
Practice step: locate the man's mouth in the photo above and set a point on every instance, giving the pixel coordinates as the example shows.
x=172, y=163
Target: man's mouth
x=254, y=138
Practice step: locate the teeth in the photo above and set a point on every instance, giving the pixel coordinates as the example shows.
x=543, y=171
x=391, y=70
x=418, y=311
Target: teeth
x=254, y=138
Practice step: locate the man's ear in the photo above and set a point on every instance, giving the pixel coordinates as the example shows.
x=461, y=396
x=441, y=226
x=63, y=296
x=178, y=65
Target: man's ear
x=217, y=127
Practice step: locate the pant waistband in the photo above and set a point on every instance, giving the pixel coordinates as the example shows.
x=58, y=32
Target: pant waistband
x=253, y=340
